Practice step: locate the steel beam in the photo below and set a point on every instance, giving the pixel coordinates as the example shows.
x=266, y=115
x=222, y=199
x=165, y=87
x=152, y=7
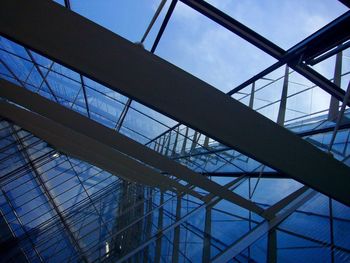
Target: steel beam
x=184, y=143
x=252, y=95
x=176, y=239
x=164, y=24
x=175, y=142
x=207, y=236
x=169, y=90
x=85, y=96
x=320, y=81
x=333, y=34
x=154, y=18
x=334, y=103
x=87, y=149
x=116, y=142
x=272, y=246
x=158, y=249
x=271, y=175
x=272, y=211
x=236, y=27
x=331, y=229
x=329, y=54
x=345, y=2
x=123, y=115
x=255, y=78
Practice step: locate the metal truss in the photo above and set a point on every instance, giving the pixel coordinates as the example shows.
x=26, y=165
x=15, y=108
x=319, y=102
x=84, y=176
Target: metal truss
x=297, y=57
x=131, y=70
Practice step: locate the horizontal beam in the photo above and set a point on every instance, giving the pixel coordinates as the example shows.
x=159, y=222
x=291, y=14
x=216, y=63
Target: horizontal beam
x=46, y=27
x=329, y=54
x=345, y=124
x=116, y=142
x=268, y=175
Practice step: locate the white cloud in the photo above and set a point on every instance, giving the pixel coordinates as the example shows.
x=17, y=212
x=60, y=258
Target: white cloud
x=224, y=60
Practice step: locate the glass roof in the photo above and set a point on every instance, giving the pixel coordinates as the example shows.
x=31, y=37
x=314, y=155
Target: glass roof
x=55, y=207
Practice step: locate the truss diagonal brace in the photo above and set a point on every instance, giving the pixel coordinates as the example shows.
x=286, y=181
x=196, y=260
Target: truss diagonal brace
x=103, y=56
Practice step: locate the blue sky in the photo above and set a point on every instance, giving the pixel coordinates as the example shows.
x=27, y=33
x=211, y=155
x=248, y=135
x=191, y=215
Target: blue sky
x=217, y=56
x=210, y=52
x=205, y=49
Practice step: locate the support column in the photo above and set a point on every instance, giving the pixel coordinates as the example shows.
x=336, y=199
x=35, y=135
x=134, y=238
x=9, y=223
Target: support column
x=175, y=142
x=206, y=142
x=160, y=227
x=334, y=103
x=207, y=235
x=184, y=142
x=163, y=144
x=283, y=103
x=272, y=246
x=123, y=115
x=85, y=96
x=252, y=95
x=158, y=144
x=331, y=228
x=148, y=220
x=176, y=241
x=194, y=141
x=168, y=145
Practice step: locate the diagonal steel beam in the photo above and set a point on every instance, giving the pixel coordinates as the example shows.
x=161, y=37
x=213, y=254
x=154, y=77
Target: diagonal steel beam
x=73, y=144
x=329, y=36
x=345, y=2
x=116, y=142
x=164, y=24
x=123, y=115
x=160, y=85
x=324, y=39
x=236, y=27
x=85, y=96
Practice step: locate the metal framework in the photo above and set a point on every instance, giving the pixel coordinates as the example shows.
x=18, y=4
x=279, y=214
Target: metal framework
x=102, y=135
x=76, y=186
